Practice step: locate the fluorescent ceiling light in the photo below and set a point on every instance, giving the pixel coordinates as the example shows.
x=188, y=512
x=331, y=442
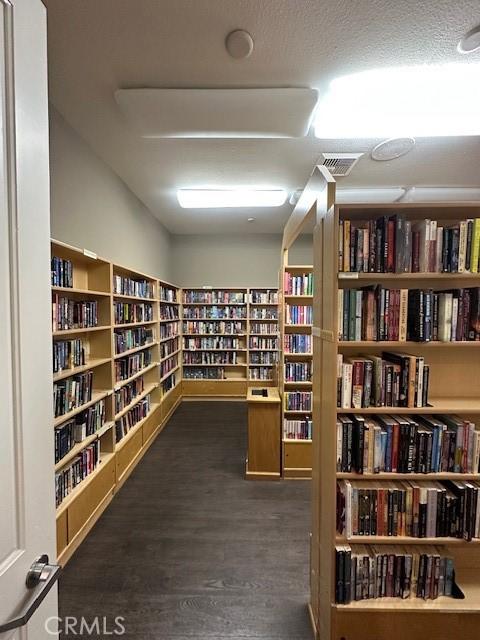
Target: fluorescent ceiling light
x=418, y=101
x=221, y=198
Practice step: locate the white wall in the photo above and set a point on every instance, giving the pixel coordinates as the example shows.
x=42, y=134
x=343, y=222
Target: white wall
x=91, y=207
x=233, y=261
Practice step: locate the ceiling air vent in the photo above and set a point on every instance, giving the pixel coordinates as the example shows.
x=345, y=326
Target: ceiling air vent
x=340, y=164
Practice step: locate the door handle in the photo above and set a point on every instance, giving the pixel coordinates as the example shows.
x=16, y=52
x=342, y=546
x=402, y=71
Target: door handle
x=40, y=579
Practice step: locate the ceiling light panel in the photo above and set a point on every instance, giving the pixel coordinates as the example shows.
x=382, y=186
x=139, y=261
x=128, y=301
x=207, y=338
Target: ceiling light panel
x=230, y=198
x=416, y=101
x=218, y=113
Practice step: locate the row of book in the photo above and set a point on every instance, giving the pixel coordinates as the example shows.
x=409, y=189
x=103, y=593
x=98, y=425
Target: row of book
x=127, y=394
x=367, y=573
x=73, y=314
x=167, y=294
x=427, y=509
x=132, y=417
x=394, y=244
x=297, y=429
x=214, y=313
x=210, y=357
x=298, y=285
x=297, y=400
x=169, y=347
x=78, y=428
x=420, y=315
x=407, y=444
x=213, y=342
x=298, y=371
x=297, y=343
x=167, y=365
x=389, y=380
x=82, y=466
x=263, y=297
x=263, y=357
x=68, y=354
x=62, y=272
x=263, y=313
x=168, y=384
x=214, y=297
x=204, y=373
x=298, y=314
x=126, y=312
x=70, y=393
x=262, y=328
x=259, y=373
x=130, y=365
x=127, y=339
x=259, y=342
x=168, y=330
x=140, y=288
x=168, y=312
x=214, y=328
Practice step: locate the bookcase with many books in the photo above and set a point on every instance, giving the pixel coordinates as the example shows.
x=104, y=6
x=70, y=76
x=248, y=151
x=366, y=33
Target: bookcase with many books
x=263, y=336
x=296, y=369
x=215, y=335
x=170, y=345
x=109, y=397
x=396, y=507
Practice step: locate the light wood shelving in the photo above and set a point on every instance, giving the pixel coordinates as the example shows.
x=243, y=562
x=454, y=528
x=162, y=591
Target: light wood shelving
x=263, y=360
x=95, y=279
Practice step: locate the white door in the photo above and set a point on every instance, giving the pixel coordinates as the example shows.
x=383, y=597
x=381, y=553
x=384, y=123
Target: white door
x=27, y=509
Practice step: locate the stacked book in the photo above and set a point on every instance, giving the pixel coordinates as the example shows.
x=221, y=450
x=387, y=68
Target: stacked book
x=126, y=312
x=68, y=354
x=129, y=366
x=365, y=573
x=407, y=444
x=298, y=371
x=132, y=417
x=126, y=394
x=446, y=509
x=82, y=466
x=393, y=244
x=389, y=380
x=297, y=343
x=132, y=338
x=62, y=272
x=264, y=297
x=301, y=285
x=72, y=392
x=298, y=314
x=297, y=400
x=297, y=429
x=73, y=314
x=129, y=287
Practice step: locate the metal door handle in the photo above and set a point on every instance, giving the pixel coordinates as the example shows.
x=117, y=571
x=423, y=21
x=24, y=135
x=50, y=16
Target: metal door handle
x=40, y=579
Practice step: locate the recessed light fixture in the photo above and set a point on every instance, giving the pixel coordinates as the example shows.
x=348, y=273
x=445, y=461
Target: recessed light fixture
x=250, y=219
x=235, y=197
x=419, y=101
x=470, y=42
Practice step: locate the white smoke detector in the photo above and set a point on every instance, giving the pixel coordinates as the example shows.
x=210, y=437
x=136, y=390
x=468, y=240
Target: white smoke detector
x=392, y=149
x=340, y=164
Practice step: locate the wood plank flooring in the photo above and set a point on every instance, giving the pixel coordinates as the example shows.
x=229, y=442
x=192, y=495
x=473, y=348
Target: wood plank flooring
x=190, y=550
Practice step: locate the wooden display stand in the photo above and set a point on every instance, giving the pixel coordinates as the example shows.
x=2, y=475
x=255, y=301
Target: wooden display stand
x=263, y=456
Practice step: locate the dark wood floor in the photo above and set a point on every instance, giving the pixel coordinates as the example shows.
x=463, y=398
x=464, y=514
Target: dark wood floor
x=189, y=549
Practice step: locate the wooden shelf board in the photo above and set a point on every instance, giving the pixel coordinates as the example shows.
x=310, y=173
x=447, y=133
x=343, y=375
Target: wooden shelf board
x=214, y=350
x=298, y=267
x=74, y=451
x=96, y=396
x=297, y=441
x=92, y=364
x=408, y=276
x=252, y=333
x=291, y=412
x=263, y=304
x=167, y=321
x=203, y=319
x=148, y=389
x=104, y=458
x=214, y=304
x=273, y=350
x=436, y=405
x=134, y=350
x=167, y=375
x=293, y=296
x=258, y=364
x=404, y=540
x=297, y=355
x=297, y=383
x=179, y=335
x=384, y=475
x=214, y=379
x=170, y=355
x=153, y=407
x=121, y=383
x=169, y=302
x=126, y=325
x=235, y=335
x=373, y=344
x=260, y=379
x=298, y=326
x=240, y=364
x=77, y=291
x=71, y=332
x=122, y=296
x=263, y=320
x=77, y=255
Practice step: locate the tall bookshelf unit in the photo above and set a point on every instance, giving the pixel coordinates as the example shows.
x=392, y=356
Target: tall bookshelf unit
x=263, y=336
x=296, y=451
x=215, y=342
x=454, y=375
x=110, y=397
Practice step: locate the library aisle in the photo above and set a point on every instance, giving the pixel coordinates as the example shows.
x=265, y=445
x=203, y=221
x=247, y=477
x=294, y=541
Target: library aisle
x=188, y=549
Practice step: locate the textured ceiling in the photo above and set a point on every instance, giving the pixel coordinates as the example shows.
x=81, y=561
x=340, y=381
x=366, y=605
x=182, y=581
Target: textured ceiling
x=98, y=46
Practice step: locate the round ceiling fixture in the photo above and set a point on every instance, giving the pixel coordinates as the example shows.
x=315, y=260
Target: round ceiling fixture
x=250, y=219
x=392, y=148
x=239, y=44
x=470, y=42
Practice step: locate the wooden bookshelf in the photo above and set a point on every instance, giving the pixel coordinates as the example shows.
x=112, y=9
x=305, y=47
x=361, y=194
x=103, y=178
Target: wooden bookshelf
x=97, y=279
x=296, y=453
x=263, y=345
x=454, y=370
